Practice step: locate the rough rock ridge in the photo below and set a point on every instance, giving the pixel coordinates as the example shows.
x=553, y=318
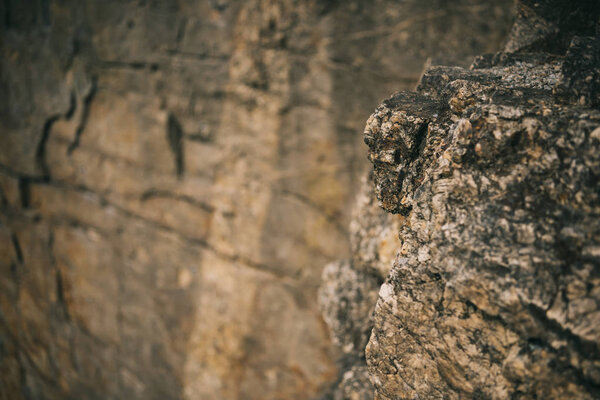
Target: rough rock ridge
x=174, y=175
x=493, y=173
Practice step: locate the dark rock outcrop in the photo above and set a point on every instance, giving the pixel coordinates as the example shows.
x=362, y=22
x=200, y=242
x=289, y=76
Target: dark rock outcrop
x=494, y=170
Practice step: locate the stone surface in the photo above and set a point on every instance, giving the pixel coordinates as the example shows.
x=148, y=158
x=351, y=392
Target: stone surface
x=349, y=289
x=494, y=293
x=175, y=175
x=355, y=385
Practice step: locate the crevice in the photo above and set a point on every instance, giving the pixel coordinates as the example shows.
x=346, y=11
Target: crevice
x=60, y=287
x=199, y=56
x=180, y=32
x=40, y=154
x=72, y=105
x=585, y=348
x=85, y=111
x=24, y=192
x=175, y=140
x=135, y=65
x=60, y=295
x=17, y=248
x=419, y=143
x=154, y=193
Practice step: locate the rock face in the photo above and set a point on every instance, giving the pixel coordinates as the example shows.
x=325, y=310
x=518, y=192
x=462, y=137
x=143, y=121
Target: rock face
x=175, y=174
x=494, y=173
x=349, y=290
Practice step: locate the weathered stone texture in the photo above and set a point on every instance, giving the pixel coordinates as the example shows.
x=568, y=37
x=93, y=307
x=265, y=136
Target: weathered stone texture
x=175, y=174
x=495, y=292
x=349, y=288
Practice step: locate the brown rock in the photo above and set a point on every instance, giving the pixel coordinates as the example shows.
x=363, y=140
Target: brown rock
x=493, y=293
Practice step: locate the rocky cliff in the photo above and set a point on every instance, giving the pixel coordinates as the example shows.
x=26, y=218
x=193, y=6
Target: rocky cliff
x=492, y=176
x=175, y=174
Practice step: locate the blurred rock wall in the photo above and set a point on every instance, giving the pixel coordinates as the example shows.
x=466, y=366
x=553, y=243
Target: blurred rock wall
x=175, y=174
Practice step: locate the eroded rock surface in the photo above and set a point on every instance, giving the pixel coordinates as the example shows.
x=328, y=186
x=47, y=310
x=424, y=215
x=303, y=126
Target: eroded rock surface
x=349, y=289
x=495, y=292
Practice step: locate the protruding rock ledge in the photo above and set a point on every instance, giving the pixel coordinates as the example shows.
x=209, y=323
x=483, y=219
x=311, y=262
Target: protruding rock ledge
x=495, y=292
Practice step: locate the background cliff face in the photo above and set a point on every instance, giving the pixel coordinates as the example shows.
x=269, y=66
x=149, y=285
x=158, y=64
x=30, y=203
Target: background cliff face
x=174, y=176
